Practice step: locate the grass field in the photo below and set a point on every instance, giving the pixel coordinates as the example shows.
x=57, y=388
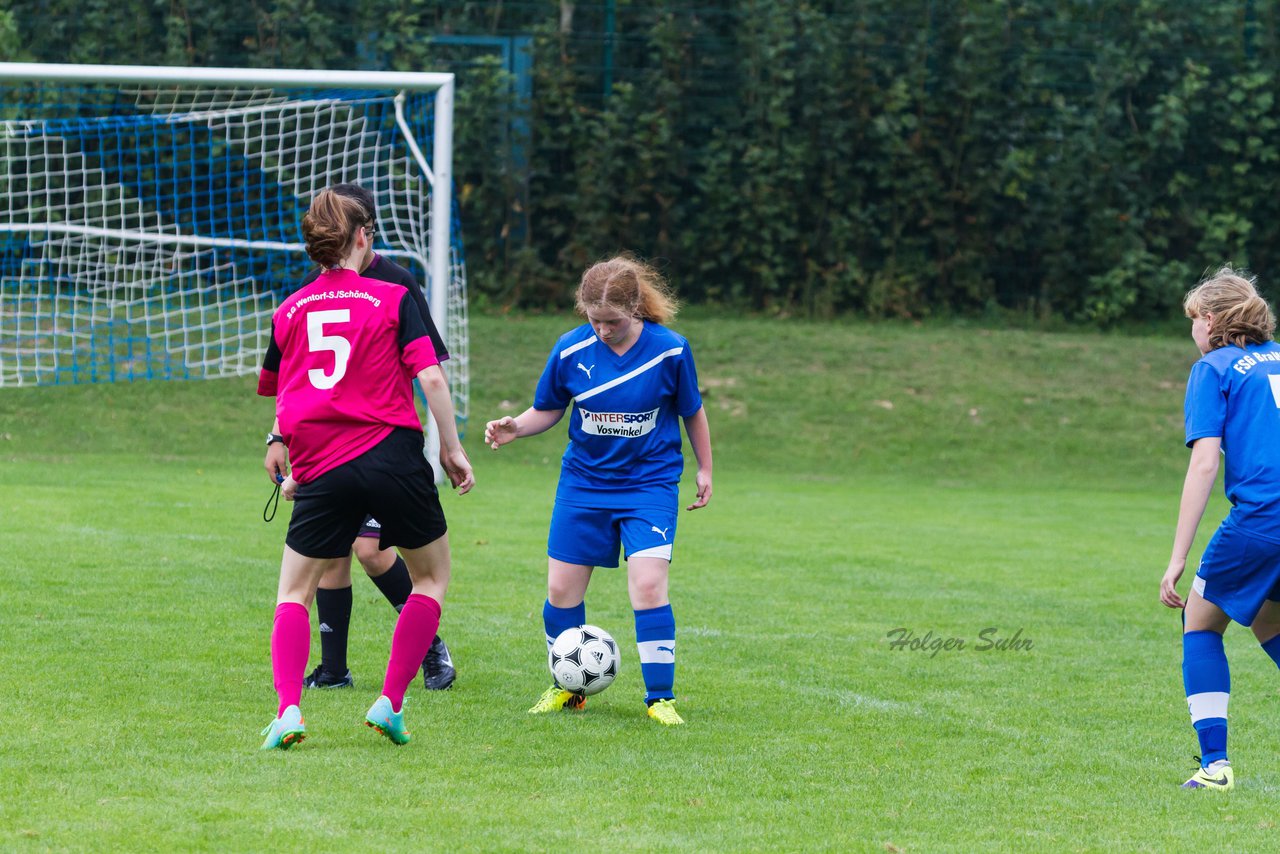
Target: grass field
x=941, y=479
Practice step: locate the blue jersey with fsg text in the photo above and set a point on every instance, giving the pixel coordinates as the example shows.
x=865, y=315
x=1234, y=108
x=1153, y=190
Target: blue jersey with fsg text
x=624, y=428
x=1234, y=393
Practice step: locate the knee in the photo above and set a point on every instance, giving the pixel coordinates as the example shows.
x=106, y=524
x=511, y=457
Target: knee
x=562, y=593
x=648, y=593
x=373, y=558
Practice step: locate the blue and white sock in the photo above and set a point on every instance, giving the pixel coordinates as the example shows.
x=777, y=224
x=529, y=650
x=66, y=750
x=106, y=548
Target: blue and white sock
x=1208, y=682
x=556, y=620
x=1272, y=648
x=656, y=640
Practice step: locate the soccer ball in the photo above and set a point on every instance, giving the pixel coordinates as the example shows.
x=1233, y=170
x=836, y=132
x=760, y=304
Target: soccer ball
x=584, y=660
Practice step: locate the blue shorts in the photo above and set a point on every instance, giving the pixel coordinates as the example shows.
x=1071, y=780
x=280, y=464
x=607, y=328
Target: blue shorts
x=1238, y=572
x=590, y=536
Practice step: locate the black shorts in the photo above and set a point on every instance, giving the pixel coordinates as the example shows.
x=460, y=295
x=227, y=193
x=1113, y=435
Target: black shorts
x=392, y=481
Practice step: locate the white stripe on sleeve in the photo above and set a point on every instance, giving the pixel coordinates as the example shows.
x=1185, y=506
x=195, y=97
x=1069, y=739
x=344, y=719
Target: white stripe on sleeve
x=569, y=351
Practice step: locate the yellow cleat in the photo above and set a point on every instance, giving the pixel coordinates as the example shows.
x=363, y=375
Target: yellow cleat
x=1221, y=778
x=556, y=698
x=664, y=712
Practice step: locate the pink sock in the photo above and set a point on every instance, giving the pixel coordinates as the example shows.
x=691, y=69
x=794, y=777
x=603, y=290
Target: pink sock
x=415, y=630
x=290, y=646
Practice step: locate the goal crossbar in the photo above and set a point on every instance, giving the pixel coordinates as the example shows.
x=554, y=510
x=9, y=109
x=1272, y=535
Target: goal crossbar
x=300, y=78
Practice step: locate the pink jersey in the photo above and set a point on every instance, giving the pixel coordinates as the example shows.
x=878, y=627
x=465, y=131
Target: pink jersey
x=343, y=353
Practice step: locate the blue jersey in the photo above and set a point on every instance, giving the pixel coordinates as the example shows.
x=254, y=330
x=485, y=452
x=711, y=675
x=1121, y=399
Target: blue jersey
x=1234, y=393
x=624, y=429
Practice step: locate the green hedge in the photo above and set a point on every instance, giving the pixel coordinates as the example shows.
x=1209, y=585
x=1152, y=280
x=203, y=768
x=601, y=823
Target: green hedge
x=1085, y=160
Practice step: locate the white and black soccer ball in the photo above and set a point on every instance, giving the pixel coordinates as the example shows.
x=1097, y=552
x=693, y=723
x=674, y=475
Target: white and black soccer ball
x=584, y=660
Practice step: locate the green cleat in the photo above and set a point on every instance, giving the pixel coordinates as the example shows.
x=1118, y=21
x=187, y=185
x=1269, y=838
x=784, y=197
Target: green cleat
x=556, y=698
x=387, y=722
x=664, y=712
x=285, y=731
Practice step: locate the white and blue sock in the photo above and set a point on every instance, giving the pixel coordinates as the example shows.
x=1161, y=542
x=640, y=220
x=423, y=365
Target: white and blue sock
x=1208, y=682
x=656, y=640
x=556, y=620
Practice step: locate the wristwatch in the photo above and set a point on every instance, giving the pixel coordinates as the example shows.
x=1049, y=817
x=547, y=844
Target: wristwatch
x=272, y=438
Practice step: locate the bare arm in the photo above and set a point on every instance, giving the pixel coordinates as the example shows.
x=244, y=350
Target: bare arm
x=435, y=388
x=531, y=422
x=1201, y=474
x=699, y=432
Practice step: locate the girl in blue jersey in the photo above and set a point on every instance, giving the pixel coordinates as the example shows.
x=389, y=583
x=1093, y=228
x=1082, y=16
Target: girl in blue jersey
x=630, y=381
x=1232, y=411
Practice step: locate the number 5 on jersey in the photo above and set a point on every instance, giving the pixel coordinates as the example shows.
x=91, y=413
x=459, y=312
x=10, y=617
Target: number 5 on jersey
x=318, y=342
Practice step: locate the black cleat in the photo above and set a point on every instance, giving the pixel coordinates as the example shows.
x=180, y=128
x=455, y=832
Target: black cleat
x=437, y=668
x=321, y=678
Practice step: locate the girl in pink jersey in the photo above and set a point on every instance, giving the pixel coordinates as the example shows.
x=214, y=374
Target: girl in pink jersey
x=343, y=353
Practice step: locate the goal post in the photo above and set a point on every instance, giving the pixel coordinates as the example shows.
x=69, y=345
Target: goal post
x=151, y=214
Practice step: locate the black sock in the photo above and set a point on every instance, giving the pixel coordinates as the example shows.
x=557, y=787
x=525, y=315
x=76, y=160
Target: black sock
x=395, y=584
x=333, y=608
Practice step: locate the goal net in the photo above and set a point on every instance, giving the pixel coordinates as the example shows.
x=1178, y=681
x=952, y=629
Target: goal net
x=151, y=216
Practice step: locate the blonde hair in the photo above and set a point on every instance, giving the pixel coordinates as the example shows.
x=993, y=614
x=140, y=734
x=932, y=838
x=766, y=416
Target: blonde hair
x=1240, y=315
x=330, y=226
x=627, y=285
